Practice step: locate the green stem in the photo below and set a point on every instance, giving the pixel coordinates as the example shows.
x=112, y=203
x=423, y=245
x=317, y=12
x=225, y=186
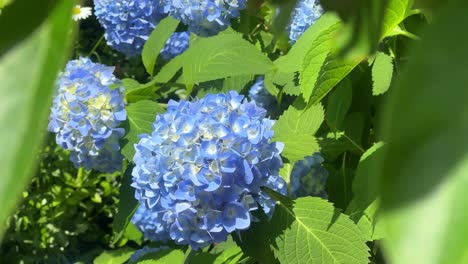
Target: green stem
x=407, y=34
x=414, y=12
x=96, y=45
x=343, y=167
x=354, y=143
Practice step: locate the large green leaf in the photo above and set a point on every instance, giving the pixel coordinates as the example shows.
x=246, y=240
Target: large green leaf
x=141, y=116
x=26, y=16
x=222, y=56
x=296, y=129
x=27, y=73
x=424, y=175
x=156, y=42
x=313, y=231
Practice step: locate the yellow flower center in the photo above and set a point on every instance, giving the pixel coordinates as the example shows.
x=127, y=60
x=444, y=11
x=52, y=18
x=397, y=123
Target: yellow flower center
x=76, y=10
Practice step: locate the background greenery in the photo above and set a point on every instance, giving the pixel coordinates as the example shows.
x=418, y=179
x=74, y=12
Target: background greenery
x=385, y=103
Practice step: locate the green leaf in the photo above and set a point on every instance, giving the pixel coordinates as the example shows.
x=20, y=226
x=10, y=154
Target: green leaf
x=27, y=73
x=118, y=256
x=229, y=256
x=322, y=68
x=368, y=221
x=141, y=116
x=236, y=83
x=338, y=104
x=285, y=172
x=156, y=42
x=313, y=231
x=366, y=182
x=135, y=91
x=168, y=71
x=165, y=256
x=292, y=61
x=364, y=206
x=132, y=233
x=296, y=129
x=209, y=59
x=382, y=72
x=127, y=205
x=424, y=176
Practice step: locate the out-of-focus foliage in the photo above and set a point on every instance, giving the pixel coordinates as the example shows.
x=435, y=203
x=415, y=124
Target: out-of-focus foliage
x=65, y=215
x=29, y=64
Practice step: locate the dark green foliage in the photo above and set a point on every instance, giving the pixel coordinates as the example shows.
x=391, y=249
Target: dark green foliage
x=65, y=214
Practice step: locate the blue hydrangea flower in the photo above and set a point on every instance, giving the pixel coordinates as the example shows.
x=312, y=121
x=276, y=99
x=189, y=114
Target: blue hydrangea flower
x=259, y=94
x=304, y=15
x=309, y=177
x=202, y=167
x=175, y=45
x=128, y=23
x=204, y=17
x=86, y=113
x=143, y=252
x=150, y=223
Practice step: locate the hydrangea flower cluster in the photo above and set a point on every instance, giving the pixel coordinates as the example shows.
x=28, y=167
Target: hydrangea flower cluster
x=128, y=23
x=175, y=45
x=86, y=113
x=261, y=96
x=204, y=17
x=150, y=223
x=308, y=177
x=201, y=169
x=304, y=15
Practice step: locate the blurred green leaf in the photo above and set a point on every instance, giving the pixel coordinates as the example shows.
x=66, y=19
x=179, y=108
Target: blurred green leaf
x=367, y=22
x=26, y=16
x=28, y=71
x=156, y=41
x=424, y=175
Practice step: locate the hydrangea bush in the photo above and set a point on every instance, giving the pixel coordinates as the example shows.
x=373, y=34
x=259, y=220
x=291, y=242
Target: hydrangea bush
x=236, y=135
x=86, y=115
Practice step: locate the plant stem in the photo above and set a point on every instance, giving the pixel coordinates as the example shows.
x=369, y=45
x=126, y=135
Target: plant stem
x=96, y=45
